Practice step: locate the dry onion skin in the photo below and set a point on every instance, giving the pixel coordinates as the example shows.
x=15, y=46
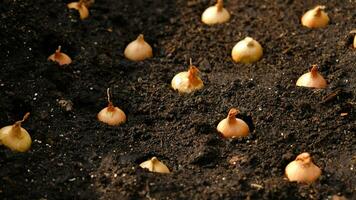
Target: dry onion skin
x=138, y=49
x=111, y=115
x=302, y=169
x=154, y=165
x=312, y=79
x=232, y=127
x=216, y=14
x=82, y=7
x=15, y=137
x=187, y=82
x=247, y=50
x=315, y=18
x=60, y=57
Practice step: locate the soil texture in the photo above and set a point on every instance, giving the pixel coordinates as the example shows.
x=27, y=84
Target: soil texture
x=73, y=156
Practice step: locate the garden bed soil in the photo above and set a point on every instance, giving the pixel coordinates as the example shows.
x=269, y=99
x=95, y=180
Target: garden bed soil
x=73, y=156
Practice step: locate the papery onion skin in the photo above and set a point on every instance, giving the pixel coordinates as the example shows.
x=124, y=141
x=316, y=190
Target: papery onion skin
x=312, y=79
x=15, y=137
x=187, y=82
x=315, y=18
x=154, y=165
x=111, y=115
x=60, y=57
x=247, y=51
x=232, y=127
x=215, y=14
x=302, y=170
x=138, y=50
x=82, y=8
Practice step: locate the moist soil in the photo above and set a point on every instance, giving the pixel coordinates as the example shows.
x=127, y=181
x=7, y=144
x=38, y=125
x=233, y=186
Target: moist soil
x=73, y=156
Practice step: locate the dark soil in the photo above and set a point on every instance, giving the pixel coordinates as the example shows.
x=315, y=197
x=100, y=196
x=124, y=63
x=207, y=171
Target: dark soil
x=73, y=156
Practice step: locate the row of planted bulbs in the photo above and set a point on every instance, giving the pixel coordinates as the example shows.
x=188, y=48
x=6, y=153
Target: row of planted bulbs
x=302, y=169
x=247, y=50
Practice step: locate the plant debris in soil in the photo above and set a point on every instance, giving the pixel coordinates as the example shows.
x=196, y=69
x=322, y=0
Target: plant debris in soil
x=73, y=156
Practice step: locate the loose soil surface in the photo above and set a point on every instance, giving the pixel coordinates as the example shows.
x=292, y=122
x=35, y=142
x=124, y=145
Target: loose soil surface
x=73, y=156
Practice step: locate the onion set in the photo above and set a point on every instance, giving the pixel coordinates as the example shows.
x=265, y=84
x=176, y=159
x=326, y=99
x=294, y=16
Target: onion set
x=216, y=14
x=111, y=115
x=312, y=79
x=60, y=57
x=302, y=169
x=154, y=165
x=15, y=137
x=187, y=82
x=315, y=18
x=138, y=49
x=232, y=127
x=247, y=50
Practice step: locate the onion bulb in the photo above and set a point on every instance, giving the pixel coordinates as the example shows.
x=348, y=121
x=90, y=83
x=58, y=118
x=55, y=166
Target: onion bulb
x=15, y=137
x=187, y=82
x=232, y=127
x=82, y=7
x=302, y=169
x=111, y=115
x=312, y=79
x=315, y=18
x=154, y=165
x=216, y=14
x=354, y=32
x=247, y=50
x=60, y=58
x=138, y=49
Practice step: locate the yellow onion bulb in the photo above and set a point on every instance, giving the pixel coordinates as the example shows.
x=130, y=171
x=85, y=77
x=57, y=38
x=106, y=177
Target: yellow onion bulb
x=232, y=127
x=60, y=58
x=154, y=165
x=15, y=137
x=302, y=169
x=353, y=34
x=138, y=49
x=247, y=50
x=216, y=14
x=111, y=115
x=315, y=18
x=82, y=8
x=312, y=79
x=187, y=82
